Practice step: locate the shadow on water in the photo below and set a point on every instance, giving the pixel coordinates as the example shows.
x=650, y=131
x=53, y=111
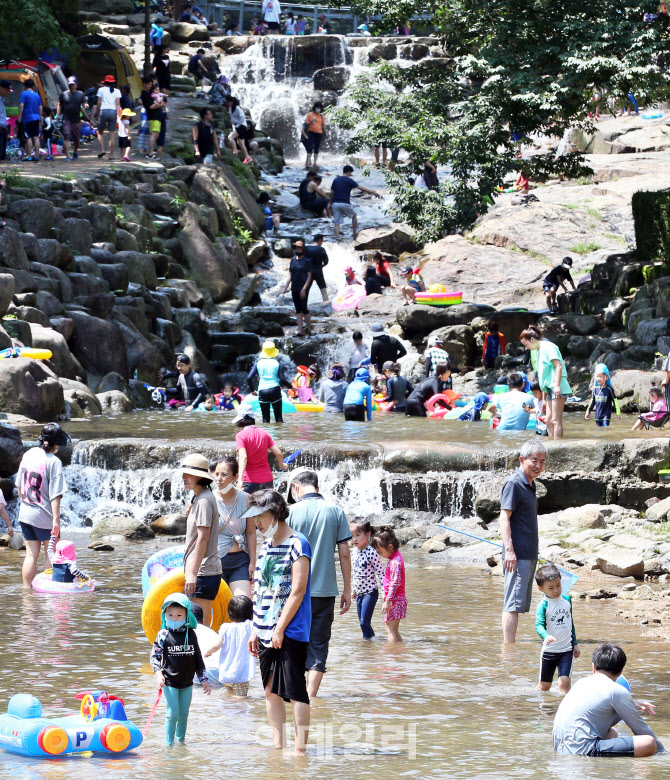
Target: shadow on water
x=446, y=704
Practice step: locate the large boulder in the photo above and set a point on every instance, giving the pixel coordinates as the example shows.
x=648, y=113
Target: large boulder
x=11, y=449
x=30, y=388
x=632, y=387
x=208, y=265
x=63, y=285
x=422, y=319
x=334, y=78
x=393, y=240
x=61, y=360
x=581, y=324
x=648, y=332
x=658, y=513
x=620, y=562
x=208, y=186
x=96, y=345
x=80, y=398
x=12, y=253
x=117, y=275
x=34, y=215
x=116, y=525
x=7, y=287
x=170, y=525
x=141, y=268
x=103, y=222
x=183, y=32
x=114, y=402
x=142, y=357
x=459, y=342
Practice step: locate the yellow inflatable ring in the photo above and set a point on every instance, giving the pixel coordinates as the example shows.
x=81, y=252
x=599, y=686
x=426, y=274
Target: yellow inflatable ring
x=173, y=582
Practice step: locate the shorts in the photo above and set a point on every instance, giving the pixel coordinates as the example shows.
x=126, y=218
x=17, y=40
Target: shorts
x=619, y=746
x=163, y=134
x=252, y=487
x=124, y=143
x=519, y=586
x=604, y=423
x=241, y=131
x=208, y=159
x=299, y=302
x=317, y=276
x=207, y=587
x=272, y=25
x=550, y=662
x=283, y=669
x=107, y=121
x=317, y=206
x=154, y=125
x=548, y=287
x=342, y=210
x=323, y=614
x=354, y=412
x=33, y=534
x=32, y=129
x=551, y=395
x=71, y=130
x=313, y=142
x=383, y=146
x=238, y=689
x=235, y=567
x=398, y=610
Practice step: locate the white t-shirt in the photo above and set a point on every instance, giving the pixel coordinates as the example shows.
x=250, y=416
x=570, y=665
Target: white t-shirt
x=233, y=663
x=123, y=128
x=237, y=117
x=289, y=26
x=271, y=11
x=108, y=98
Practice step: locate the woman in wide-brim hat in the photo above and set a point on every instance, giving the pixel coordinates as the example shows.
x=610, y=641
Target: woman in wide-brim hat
x=202, y=565
x=270, y=373
x=108, y=110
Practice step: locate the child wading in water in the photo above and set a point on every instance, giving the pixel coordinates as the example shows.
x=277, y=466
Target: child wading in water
x=394, y=607
x=367, y=568
x=603, y=398
x=63, y=559
x=176, y=659
x=553, y=622
x=236, y=665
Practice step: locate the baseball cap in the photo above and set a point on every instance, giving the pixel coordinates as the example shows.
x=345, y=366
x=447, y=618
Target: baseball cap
x=6, y=84
x=406, y=270
x=183, y=358
x=388, y=365
x=72, y=80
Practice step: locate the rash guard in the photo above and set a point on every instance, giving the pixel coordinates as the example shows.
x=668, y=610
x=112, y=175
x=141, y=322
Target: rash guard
x=359, y=394
x=177, y=654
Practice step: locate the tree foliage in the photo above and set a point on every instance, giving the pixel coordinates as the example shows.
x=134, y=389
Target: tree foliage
x=30, y=27
x=523, y=67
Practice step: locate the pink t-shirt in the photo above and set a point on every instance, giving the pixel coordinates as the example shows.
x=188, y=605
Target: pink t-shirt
x=257, y=442
x=394, y=578
x=658, y=409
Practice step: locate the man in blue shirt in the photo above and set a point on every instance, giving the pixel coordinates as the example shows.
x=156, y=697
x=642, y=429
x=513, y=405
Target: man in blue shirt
x=326, y=529
x=340, y=199
x=30, y=114
x=515, y=406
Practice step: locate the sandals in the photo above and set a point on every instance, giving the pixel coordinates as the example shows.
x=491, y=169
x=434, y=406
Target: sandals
x=101, y=154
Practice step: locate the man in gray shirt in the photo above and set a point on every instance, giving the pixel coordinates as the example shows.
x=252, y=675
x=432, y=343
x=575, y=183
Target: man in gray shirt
x=518, y=529
x=584, y=722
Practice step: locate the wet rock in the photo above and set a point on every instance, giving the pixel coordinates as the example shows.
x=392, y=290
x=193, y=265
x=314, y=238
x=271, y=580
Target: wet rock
x=61, y=360
x=382, y=51
x=81, y=397
x=394, y=239
x=649, y=331
x=631, y=387
x=459, y=342
x=436, y=544
x=581, y=324
x=113, y=381
x=95, y=344
x=620, y=562
x=11, y=449
x=101, y=547
x=641, y=593
x=333, y=78
x=183, y=32
x=283, y=248
x=140, y=353
x=170, y=525
x=658, y=513
x=114, y=402
x=7, y=287
x=599, y=593
x=31, y=389
x=405, y=535
x=12, y=253
x=34, y=215
x=16, y=542
x=139, y=395
x=422, y=320
x=128, y=527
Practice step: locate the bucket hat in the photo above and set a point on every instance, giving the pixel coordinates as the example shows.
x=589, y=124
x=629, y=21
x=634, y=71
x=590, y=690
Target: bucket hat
x=269, y=350
x=64, y=553
x=196, y=465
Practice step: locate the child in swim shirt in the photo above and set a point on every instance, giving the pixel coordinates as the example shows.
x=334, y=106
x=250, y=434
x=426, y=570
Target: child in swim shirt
x=63, y=557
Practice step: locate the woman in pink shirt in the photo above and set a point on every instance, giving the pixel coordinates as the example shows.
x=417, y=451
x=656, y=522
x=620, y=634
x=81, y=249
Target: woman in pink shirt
x=253, y=445
x=655, y=417
x=394, y=607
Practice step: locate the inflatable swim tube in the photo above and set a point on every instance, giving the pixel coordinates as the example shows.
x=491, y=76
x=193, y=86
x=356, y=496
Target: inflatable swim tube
x=350, y=297
x=287, y=405
x=173, y=582
x=105, y=728
x=26, y=352
x=309, y=407
x=532, y=423
x=380, y=405
x=44, y=584
x=448, y=396
x=656, y=115
x=444, y=298
x=454, y=414
x=159, y=564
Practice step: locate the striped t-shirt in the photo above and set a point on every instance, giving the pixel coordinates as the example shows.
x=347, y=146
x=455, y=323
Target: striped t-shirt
x=272, y=587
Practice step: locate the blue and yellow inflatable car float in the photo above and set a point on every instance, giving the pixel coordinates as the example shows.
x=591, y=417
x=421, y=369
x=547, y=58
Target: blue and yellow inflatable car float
x=101, y=725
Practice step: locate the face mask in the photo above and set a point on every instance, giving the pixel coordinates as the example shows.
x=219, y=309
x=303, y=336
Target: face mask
x=271, y=531
x=318, y=110
x=226, y=488
x=175, y=625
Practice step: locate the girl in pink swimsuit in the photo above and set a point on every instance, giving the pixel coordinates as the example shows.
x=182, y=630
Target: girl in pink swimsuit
x=394, y=608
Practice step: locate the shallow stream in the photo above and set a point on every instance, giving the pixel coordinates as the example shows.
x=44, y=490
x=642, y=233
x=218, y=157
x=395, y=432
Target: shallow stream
x=446, y=704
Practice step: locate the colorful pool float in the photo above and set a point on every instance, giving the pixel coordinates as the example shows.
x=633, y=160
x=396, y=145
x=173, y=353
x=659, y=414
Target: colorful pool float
x=44, y=584
x=438, y=295
x=101, y=725
x=173, y=582
x=159, y=564
x=26, y=352
x=350, y=297
x=309, y=407
x=287, y=406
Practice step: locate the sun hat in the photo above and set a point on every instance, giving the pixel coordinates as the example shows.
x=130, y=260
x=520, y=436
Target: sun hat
x=435, y=340
x=362, y=373
x=54, y=434
x=64, y=553
x=110, y=79
x=480, y=399
x=348, y=271
x=196, y=465
x=128, y=112
x=254, y=511
x=269, y=350
x=242, y=414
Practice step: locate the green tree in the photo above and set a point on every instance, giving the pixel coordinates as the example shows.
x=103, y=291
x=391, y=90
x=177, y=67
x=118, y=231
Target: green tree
x=510, y=67
x=29, y=27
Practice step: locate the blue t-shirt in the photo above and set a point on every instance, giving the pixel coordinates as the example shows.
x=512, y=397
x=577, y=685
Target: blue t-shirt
x=325, y=526
x=272, y=587
x=515, y=408
x=31, y=106
x=268, y=217
x=341, y=189
x=492, y=345
x=268, y=373
x=359, y=393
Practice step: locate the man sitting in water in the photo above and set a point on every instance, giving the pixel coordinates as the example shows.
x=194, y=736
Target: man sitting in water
x=191, y=389
x=514, y=407
x=584, y=722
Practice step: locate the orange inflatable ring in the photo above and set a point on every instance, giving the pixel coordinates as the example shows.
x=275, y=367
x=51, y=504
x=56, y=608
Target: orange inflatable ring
x=449, y=396
x=173, y=582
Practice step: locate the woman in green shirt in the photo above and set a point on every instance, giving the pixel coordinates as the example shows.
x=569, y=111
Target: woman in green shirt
x=551, y=374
